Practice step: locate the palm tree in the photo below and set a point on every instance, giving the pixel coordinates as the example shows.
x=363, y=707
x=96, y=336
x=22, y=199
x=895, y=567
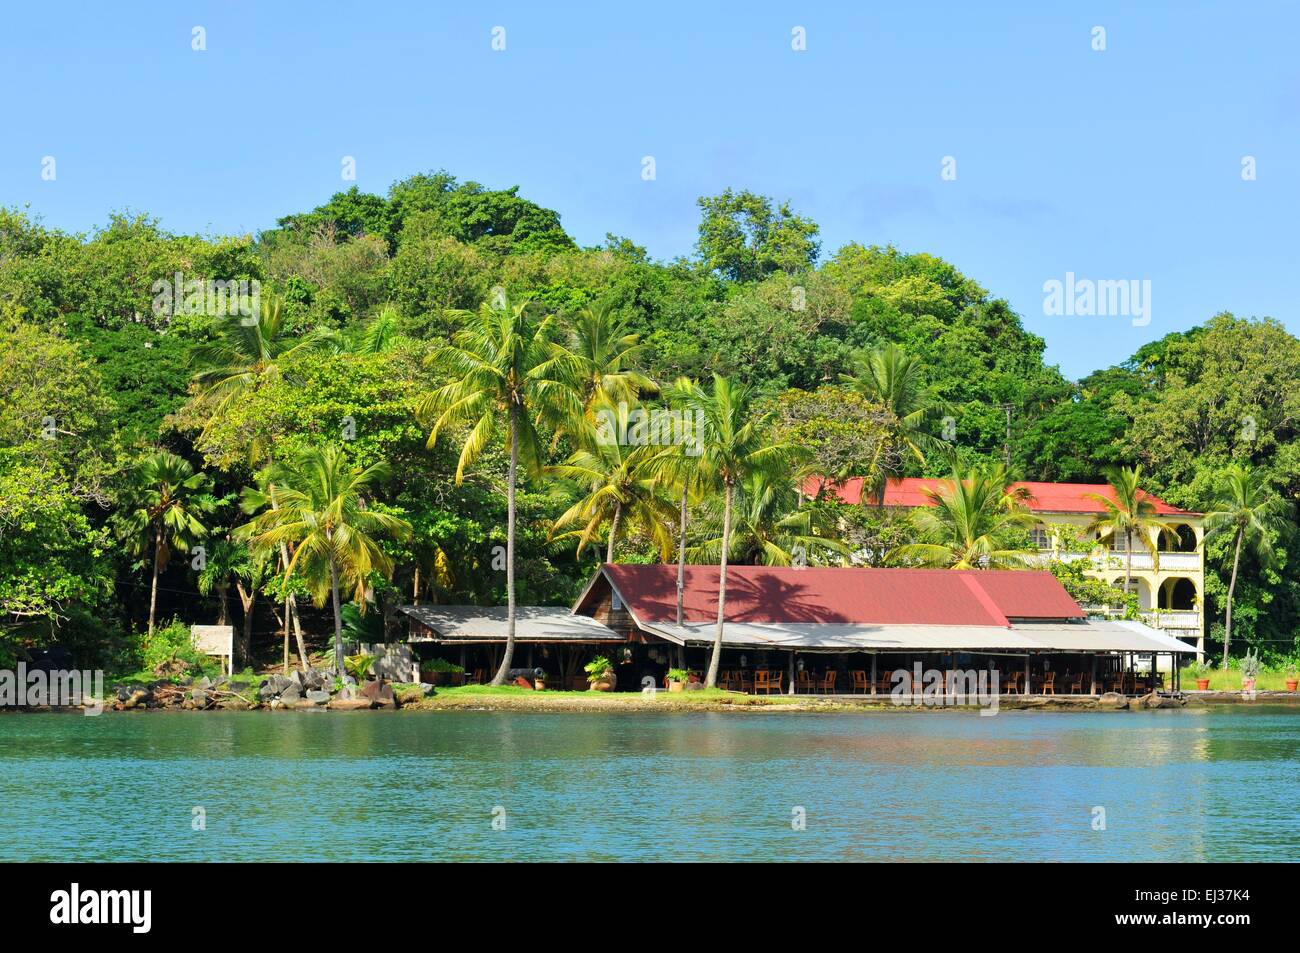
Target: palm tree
x=168, y=499
x=623, y=484
x=1130, y=513
x=973, y=523
x=605, y=355
x=680, y=469
x=1245, y=505
x=735, y=444
x=770, y=528
x=323, y=517
x=379, y=334
x=243, y=355
x=502, y=363
x=895, y=379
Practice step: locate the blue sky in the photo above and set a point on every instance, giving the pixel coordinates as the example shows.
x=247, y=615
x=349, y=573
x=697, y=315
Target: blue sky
x=1115, y=164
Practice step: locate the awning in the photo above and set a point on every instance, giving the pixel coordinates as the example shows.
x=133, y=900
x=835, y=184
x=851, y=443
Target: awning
x=468, y=624
x=1089, y=636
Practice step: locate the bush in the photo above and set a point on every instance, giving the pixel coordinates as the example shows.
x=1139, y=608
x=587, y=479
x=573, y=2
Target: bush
x=440, y=665
x=171, y=643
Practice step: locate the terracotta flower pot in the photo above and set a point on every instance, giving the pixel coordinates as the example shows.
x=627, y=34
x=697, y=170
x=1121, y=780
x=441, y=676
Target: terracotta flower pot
x=1202, y=684
x=1247, y=684
x=677, y=686
x=1291, y=684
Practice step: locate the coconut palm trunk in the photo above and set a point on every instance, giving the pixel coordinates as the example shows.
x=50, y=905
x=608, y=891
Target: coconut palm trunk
x=290, y=603
x=153, y=589
x=500, y=677
x=613, y=532
x=247, y=599
x=1128, y=560
x=711, y=681
x=681, y=558
x=338, y=615
x=1232, y=585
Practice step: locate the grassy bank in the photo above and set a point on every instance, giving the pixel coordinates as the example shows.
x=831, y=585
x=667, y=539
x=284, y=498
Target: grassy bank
x=1230, y=681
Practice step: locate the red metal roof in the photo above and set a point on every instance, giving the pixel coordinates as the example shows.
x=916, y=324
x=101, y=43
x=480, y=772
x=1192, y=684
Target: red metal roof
x=852, y=595
x=1043, y=497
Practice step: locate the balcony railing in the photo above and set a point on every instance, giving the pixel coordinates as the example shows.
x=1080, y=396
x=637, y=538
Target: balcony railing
x=1169, y=562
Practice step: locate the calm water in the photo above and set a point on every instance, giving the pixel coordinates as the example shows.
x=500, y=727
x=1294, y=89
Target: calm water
x=1186, y=785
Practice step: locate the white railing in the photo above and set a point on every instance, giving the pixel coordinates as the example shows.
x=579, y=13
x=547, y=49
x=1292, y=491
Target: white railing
x=1169, y=562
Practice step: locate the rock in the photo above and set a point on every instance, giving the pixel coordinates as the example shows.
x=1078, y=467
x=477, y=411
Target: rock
x=299, y=680
x=318, y=697
x=1112, y=700
x=204, y=683
x=385, y=698
x=138, y=699
x=291, y=694
x=199, y=697
x=370, y=690
x=350, y=704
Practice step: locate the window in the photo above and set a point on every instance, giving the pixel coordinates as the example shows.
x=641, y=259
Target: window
x=1041, y=536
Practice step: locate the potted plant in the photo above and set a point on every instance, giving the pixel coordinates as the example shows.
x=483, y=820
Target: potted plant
x=600, y=674
x=1291, y=679
x=438, y=671
x=539, y=679
x=677, y=679
x=1249, y=670
x=1201, y=672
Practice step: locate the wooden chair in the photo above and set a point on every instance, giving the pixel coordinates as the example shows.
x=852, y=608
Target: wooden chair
x=776, y=681
x=1076, y=684
x=804, y=682
x=1049, y=684
x=828, y=682
x=480, y=676
x=761, y=682
x=860, y=682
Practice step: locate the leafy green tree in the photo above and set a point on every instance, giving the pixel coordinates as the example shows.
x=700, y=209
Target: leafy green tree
x=735, y=444
x=503, y=363
x=975, y=522
x=246, y=353
x=1246, y=508
x=744, y=238
x=323, y=515
x=169, y=500
x=770, y=528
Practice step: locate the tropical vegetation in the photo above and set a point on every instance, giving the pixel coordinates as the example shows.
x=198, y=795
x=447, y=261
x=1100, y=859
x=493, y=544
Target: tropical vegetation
x=444, y=397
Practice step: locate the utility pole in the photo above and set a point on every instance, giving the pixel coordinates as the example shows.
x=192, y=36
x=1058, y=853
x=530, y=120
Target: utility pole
x=1008, y=408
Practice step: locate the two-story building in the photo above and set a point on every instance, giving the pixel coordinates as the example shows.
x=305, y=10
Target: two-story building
x=1170, y=586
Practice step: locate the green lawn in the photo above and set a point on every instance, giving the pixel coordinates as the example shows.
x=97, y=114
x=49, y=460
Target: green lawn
x=1230, y=681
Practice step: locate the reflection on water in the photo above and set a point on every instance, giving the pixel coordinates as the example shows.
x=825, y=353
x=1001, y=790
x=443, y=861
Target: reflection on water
x=1191, y=785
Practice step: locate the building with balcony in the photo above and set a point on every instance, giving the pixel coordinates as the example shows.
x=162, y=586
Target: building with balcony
x=1170, y=586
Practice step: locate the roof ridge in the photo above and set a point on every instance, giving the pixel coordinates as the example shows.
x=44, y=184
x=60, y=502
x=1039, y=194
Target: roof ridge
x=985, y=599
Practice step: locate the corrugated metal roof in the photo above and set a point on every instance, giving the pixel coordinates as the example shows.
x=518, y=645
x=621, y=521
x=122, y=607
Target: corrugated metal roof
x=781, y=594
x=488, y=624
x=912, y=492
x=1090, y=636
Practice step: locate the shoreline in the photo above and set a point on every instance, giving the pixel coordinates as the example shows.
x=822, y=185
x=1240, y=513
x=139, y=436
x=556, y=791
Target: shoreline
x=412, y=699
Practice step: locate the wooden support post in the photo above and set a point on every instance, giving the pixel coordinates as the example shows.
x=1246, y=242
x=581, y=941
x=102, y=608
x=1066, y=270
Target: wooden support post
x=873, y=672
x=790, y=690
x=1093, y=688
x=1025, y=691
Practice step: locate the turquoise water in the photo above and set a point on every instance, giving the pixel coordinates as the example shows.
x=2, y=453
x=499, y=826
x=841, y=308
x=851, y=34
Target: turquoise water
x=1212, y=784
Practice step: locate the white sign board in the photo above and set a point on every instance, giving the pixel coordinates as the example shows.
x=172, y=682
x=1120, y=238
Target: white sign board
x=218, y=640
